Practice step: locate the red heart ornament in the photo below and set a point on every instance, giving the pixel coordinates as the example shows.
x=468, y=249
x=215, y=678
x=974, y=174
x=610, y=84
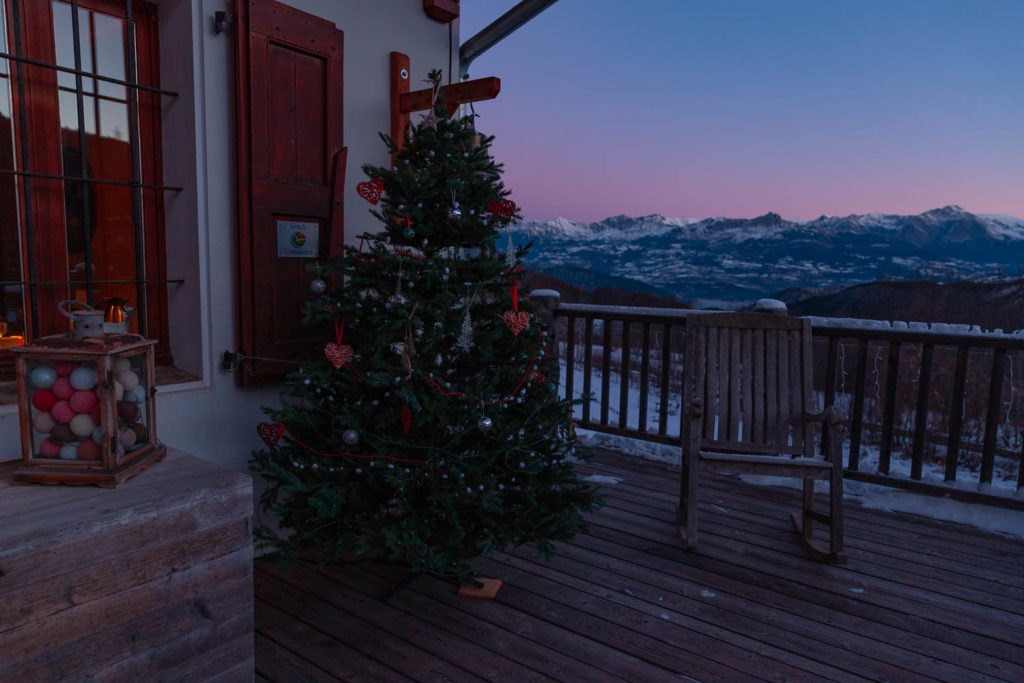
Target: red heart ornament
x=371, y=190
x=517, y=321
x=504, y=209
x=270, y=433
x=338, y=354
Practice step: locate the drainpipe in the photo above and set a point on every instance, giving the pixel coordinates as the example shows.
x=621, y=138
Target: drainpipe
x=497, y=31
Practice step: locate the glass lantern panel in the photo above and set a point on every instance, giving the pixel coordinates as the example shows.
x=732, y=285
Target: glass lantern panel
x=65, y=409
x=131, y=388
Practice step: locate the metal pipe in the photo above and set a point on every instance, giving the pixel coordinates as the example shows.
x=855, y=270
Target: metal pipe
x=498, y=30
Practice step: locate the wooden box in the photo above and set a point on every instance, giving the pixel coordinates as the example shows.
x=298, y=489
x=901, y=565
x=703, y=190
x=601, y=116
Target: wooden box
x=87, y=409
x=146, y=582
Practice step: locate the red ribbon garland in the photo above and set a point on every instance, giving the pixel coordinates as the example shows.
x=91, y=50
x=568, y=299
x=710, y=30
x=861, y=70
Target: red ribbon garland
x=514, y=290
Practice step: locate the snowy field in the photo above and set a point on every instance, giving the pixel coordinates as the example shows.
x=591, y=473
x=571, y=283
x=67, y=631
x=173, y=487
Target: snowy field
x=869, y=495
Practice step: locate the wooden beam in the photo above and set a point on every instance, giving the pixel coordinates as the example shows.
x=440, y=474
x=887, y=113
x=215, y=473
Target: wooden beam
x=454, y=95
x=400, y=76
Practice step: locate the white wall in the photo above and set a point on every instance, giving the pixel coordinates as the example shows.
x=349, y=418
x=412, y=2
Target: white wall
x=213, y=418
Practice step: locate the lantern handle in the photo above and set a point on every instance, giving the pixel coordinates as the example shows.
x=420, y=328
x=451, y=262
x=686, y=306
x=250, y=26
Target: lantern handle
x=72, y=302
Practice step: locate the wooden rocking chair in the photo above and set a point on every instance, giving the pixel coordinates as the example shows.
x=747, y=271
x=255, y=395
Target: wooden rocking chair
x=747, y=397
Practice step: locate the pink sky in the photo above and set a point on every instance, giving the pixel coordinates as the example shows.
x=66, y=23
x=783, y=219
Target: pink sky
x=685, y=108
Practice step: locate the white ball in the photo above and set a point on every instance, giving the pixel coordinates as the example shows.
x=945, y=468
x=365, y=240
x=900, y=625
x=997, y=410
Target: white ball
x=83, y=378
x=118, y=390
x=128, y=379
x=82, y=425
x=122, y=364
x=43, y=377
x=69, y=452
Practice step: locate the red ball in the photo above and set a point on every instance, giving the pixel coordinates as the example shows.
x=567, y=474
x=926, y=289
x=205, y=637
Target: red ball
x=62, y=412
x=95, y=413
x=83, y=401
x=65, y=369
x=43, y=399
x=49, y=449
x=62, y=388
x=88, y=450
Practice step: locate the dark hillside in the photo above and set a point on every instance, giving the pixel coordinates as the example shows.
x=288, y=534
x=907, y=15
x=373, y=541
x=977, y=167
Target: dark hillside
x=991, y=305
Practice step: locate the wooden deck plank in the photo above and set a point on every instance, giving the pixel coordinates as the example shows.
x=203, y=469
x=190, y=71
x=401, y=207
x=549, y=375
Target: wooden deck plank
x=919, y=599
x=897, y=552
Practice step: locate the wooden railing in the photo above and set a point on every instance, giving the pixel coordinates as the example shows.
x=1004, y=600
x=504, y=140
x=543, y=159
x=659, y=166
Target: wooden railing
x=896, y=386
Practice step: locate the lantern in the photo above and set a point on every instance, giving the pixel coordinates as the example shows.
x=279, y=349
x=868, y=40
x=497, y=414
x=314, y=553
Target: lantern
x=87, y=409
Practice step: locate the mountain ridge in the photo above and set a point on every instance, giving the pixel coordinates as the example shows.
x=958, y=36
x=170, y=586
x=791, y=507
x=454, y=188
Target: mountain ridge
x=736, y=259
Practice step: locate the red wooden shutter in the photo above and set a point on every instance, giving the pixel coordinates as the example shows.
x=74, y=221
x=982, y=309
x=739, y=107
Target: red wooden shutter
x=290, y=174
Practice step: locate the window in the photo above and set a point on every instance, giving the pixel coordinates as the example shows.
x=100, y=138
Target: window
x=81, y=194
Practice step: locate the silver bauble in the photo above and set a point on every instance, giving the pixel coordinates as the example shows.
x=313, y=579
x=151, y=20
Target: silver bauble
x=350, y=437
x=485, y=423
x=318, y=286
x=456, y=213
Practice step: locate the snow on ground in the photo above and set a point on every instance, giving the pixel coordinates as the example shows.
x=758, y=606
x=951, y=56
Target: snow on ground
x=869, y=495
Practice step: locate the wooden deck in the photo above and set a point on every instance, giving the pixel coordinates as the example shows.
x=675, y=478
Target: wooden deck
x=919, y=600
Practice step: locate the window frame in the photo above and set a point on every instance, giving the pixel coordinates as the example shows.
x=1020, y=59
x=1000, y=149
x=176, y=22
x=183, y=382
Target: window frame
x=37, y=149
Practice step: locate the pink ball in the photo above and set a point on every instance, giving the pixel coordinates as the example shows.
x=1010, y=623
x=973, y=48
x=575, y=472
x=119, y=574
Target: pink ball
x=43, y=423
x=89, y=450
x=127, y=438
x=43, y=399
x=65, y=369
x=49, y=449
x=83, y=401
x=62, y=412
x=62, y=388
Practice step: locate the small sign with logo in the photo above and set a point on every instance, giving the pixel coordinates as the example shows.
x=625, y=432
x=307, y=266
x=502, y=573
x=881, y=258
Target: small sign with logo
x=296, y=239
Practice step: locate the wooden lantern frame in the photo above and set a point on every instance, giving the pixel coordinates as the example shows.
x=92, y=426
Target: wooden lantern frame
x=115, y=464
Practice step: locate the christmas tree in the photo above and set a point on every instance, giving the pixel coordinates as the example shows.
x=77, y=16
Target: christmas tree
x=431, y=432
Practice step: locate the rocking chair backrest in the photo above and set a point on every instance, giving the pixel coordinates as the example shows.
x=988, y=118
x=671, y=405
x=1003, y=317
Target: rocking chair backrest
x=752, y=372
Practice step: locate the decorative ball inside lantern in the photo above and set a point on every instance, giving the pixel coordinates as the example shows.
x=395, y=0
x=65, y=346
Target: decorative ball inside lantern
x=65, y=368
x=97, y=435
x=84, y=378
x=43, y=422
x=83, y=401
x=136, y=395
x=69, y=452
x=122, y=364
x=89, y=450
x=82, y=426
x=62, y=412
x=62, y=388
x=128, y=411
x=128, y=379
x=62, y=434
x=141, y=432
x=95, y=413
x=127, y=438
x=44, y=399
x=118, y=390
x=49, y=448
x=42, y=377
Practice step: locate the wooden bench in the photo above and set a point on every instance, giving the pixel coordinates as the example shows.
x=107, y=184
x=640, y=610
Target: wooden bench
x=150, y=581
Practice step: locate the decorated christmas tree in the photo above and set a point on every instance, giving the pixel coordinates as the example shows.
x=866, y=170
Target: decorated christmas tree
x=430, y=433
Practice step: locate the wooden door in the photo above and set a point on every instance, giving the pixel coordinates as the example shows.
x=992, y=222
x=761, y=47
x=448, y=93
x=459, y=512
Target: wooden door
x=290, y=175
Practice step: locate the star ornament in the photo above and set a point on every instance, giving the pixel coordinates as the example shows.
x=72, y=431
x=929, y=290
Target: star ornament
x=430, y=120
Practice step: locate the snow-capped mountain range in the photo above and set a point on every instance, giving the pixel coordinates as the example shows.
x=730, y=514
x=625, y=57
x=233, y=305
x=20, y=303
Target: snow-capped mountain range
x=739, y=259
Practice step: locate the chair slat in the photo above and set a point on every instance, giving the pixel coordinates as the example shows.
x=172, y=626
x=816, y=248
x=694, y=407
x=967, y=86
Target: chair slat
x=734, y=385
x=710, y=382
x=723, y=384
x=797, y=395
x=771, y=369
x=745, y=385
x=784, y=409
x=806, y=366
x=758, y=392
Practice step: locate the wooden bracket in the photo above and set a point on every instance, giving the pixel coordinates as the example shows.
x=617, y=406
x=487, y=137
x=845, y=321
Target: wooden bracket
x=404, y=102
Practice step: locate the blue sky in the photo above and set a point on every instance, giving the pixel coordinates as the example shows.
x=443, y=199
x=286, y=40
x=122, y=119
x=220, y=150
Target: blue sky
x=739, y=107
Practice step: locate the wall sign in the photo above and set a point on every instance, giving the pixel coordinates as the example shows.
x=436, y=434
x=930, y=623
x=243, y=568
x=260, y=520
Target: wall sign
x=298, y=240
